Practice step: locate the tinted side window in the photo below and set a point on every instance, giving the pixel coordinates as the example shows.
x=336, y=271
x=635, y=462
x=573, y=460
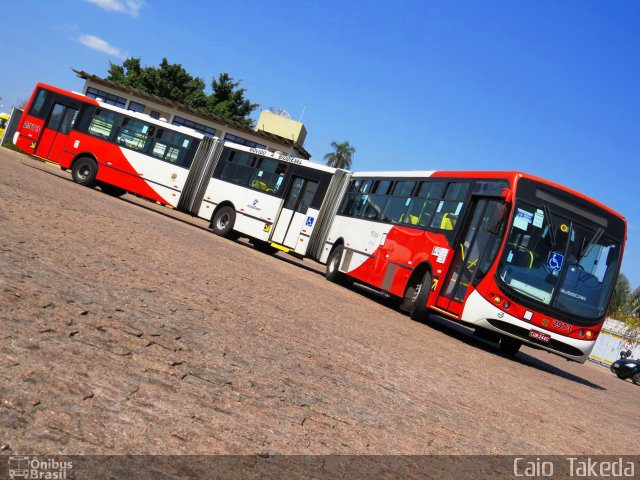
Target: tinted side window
x=103, y=123
x=37, y=107
x=249, y=170
x=421, y=207
x=448, y=210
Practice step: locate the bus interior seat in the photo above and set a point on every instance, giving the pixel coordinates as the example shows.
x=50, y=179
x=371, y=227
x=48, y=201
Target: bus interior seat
x=448, y=221
x=260, y=185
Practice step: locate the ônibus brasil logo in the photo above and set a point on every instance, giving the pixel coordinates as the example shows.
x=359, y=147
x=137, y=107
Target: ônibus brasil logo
x=23, y=467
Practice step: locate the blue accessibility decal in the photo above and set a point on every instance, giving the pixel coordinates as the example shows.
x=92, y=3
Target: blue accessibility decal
x=310, y=221
x=555, y=261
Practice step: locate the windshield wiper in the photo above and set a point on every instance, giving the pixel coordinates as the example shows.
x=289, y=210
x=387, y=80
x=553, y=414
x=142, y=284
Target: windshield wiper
x=552, y=229
x=592, y=242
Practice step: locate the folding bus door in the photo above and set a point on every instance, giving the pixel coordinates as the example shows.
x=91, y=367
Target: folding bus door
x=56, y=131
x=475, y=241
x=293, y=216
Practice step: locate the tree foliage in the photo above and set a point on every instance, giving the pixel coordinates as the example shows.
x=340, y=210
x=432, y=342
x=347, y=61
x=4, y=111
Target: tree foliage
x=621, y=295
x=342, y=156
x=173, y=82
x=625, y=303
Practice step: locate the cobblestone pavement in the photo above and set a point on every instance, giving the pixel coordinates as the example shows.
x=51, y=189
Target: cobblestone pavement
x=126, y=327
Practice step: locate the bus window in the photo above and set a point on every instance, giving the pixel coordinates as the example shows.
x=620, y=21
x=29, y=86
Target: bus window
x=421, y=207
x=269, y=175
x=37, y=107
x=448, y=210
x=249, y=170
x=172, y=147
x=398, y=204
x=373, y=206
x=134, y=134
x=103, y=122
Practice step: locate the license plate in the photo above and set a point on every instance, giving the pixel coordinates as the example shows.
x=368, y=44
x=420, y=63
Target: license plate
x=543, y=337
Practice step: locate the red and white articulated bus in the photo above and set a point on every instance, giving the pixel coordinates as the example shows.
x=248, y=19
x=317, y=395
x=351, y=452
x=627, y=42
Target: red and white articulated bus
x=274, y=199
x=520, y=259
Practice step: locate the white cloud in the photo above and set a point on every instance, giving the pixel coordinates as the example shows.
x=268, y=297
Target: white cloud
x=130, y=7
x=100, y=45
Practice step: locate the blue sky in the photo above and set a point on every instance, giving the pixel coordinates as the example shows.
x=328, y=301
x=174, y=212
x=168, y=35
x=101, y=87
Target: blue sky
x=550, y=87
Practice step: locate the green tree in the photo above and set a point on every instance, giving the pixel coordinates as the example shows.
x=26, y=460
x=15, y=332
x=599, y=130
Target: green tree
x=341, y=157
x=173, y=82
x=621, y=296
x=227, y=100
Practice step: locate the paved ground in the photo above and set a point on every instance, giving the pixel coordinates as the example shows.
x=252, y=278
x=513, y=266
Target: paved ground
x=126, y=327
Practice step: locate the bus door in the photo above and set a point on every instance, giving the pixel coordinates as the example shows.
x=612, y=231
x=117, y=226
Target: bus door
x=476, y=243
x=293, y=216
x=56, y=131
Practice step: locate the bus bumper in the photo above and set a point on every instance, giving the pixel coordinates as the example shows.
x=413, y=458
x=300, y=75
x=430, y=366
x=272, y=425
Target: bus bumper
x=480, y=312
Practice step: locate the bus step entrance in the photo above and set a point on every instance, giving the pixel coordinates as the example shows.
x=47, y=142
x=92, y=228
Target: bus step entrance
x=280, y=247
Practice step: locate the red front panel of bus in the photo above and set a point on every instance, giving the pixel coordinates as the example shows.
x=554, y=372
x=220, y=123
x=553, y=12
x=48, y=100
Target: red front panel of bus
x=30, y=130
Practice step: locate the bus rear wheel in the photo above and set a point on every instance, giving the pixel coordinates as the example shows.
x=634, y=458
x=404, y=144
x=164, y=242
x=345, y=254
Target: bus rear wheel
x=223, y=221
x=333, y=273
x=84, y=171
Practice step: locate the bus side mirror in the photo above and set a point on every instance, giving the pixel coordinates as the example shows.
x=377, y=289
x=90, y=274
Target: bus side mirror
x=507, y=194
x=495, y=227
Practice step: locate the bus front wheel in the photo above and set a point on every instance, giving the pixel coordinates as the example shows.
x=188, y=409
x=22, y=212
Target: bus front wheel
x=84, y=171
x=223, y=221
x=417, y=297
x=509, y=346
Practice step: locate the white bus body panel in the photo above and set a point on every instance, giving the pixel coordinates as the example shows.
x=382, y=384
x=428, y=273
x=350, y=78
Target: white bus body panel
x=478, y=309
x=164, y=178
x=361, y=237
x=254, y=209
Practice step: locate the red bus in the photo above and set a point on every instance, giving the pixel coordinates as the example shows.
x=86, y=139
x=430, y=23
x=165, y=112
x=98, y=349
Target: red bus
x=119, y=150
x=520, y=259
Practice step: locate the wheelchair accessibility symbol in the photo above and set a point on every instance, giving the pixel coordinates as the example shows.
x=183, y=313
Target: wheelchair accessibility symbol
x=555, y=261
x=309, y=222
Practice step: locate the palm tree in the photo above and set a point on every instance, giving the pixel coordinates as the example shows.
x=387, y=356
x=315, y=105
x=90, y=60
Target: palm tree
x=341, y=157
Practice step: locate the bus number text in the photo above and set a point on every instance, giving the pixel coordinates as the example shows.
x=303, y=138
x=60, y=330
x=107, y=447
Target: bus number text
x=31, y=126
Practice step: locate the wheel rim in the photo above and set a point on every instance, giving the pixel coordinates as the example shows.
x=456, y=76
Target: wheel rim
x=223, y=221
x=416, y=292
x=84, y=171
x=334, y=264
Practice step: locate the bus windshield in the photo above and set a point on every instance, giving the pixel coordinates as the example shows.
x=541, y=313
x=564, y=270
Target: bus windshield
x=563, y=262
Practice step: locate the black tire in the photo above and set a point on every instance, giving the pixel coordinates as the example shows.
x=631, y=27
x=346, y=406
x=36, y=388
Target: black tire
x=509, y=346
x=333, y=272
x=112, y=190
x=636, y=379
x=416, y=297
x=264, y=247
x=84, y=171
x=223, y=221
